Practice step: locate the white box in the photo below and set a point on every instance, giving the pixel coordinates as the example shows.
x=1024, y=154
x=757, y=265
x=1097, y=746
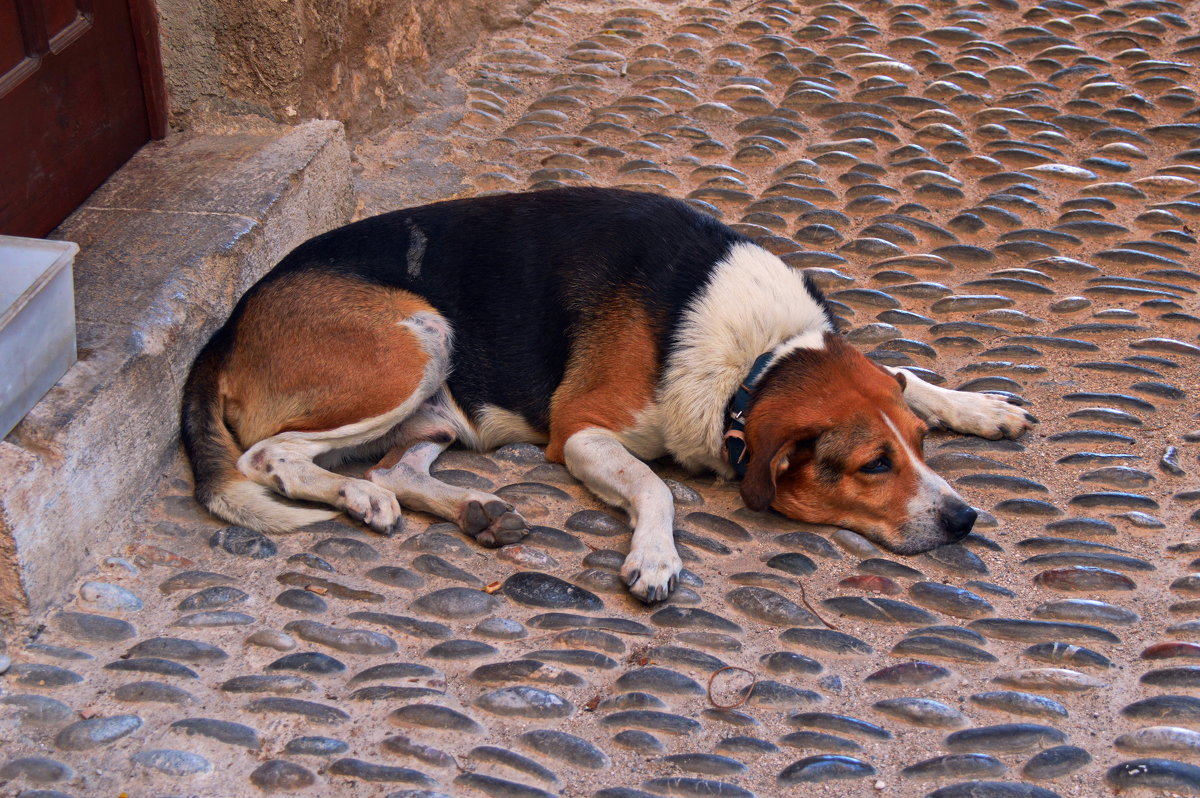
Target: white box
x=37, y=322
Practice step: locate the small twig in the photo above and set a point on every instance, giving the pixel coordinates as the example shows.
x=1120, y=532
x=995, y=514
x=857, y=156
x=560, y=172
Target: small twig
x=745, y=698
x=809, y=607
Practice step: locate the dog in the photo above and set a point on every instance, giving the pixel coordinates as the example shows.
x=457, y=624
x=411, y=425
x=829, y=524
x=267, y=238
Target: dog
x=614, y=327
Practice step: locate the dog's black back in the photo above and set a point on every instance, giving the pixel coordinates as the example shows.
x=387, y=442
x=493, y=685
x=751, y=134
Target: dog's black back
x=515, y=275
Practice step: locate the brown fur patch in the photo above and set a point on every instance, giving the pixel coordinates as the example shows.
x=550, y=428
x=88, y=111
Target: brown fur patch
x=611, y=375
x=316, y=351
x=815, y=423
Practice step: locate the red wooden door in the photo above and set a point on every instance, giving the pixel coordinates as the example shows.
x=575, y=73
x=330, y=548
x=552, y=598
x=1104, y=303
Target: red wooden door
x=73, y=102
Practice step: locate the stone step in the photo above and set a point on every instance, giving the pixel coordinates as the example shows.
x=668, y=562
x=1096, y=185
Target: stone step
x=167, y=245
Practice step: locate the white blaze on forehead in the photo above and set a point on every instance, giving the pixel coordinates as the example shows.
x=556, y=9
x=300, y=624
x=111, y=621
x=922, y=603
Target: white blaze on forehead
x=932, y=490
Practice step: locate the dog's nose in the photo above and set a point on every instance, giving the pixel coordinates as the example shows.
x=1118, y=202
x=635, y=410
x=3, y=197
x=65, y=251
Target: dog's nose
x=958, y=517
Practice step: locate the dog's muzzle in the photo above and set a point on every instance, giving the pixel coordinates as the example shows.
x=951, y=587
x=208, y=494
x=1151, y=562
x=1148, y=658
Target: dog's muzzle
x=949, y=523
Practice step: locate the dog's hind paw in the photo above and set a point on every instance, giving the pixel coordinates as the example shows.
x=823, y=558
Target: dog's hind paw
x=493, y=523
x=652, y=574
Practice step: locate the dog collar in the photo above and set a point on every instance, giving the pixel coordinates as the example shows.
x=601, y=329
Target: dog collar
x=735, y=415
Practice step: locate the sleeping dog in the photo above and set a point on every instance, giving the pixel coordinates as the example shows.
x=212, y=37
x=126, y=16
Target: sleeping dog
x=614, y=327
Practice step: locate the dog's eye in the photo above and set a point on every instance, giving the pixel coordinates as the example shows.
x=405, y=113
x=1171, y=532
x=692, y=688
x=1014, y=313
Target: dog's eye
x=877, y=466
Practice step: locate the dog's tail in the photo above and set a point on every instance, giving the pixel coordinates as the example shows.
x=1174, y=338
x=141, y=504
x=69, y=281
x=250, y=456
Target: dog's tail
x=213, y=452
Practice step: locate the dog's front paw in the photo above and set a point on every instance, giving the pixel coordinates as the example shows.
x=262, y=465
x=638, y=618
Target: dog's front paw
x=651, y=573
x=376, y=507
x=988, y=416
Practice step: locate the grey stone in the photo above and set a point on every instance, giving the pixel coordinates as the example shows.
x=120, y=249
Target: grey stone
x=695, y=788
x=565, y=747
x=343, y=548
x=279, y=775
x=692, y=618
x=435, y=566
x=499, y=788
x=353, y=641
x=820, y=741
x=936, y=647
x=308, y=662
x=173, y=763
x=880, y=610
x=38, y=710
x=658, y=680
x=242, y=542
x=433, y=716
x=494, y=755
x=651, y=720
x=34, y=675
x=36, y=769
x=955, y=766
x=396, y=576
x=993, y=789
x=174, y=648
x=154, y=692
x=215, y=618
x=458, y=603
x=268, y=684
x=317, y=713
x=370, y=772
x=1154, y=774
x=410, y=626
x=1019, y=703
x=1006, y=737
x=106, y=597
x=829, y=640
x=271, y=638
x=461, y=650
x=908, y=674
x=922, y=712
x=597, y=522
x=770, y=607
x=501, y=629
x=950, y=599
x=527, y=702
x=315, y=746
x=640, y=741
x=302, y=601
x=83, y=735
x=93, y=628
x=822, y=768
x=1054, y=762
x=542, y=590
x=223, y=731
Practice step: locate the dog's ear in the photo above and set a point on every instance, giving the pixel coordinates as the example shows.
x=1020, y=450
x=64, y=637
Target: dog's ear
x=902, y=379
x=767, y=463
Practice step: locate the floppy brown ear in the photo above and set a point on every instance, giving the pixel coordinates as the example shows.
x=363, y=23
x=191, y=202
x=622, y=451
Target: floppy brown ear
x=901, y=378
x=764, y=468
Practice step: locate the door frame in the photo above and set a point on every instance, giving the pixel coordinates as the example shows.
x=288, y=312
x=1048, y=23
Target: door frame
x=144, y=18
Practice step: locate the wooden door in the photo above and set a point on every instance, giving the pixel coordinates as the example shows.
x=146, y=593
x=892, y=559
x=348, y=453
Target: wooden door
x=80, y=92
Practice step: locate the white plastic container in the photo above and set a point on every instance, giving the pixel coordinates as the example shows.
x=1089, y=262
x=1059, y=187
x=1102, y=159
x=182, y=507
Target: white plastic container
x=37, y=322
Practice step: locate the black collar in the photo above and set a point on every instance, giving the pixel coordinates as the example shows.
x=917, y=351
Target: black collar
x=735, y=415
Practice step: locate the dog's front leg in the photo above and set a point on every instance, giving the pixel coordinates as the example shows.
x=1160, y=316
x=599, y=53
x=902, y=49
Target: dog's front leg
x=599, y=460
x=983, y=414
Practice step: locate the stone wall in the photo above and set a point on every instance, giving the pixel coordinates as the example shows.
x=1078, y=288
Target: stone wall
x=363, y=62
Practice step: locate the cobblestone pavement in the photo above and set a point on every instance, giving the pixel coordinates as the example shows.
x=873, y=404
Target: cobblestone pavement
x=1000, y=195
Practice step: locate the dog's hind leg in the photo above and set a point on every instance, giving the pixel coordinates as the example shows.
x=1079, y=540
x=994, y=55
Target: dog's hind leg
x=602, y=463
x=405, y=472
x=309, y=378
x=982, y=414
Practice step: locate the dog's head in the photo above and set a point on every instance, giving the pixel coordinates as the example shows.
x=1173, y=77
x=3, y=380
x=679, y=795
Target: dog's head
x=831, y=441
